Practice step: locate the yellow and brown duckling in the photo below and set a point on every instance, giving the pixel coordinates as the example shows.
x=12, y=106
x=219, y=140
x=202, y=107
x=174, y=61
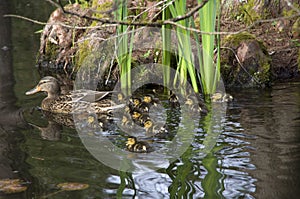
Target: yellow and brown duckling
x=221, y=97
x=139, y=117
x=152, y=129
x=144, y=104
x=196, y=104
x=136, y=103
x=150, y=99
x=77, y=101
x=127, y=121
x=133, y=145
x=174, y=100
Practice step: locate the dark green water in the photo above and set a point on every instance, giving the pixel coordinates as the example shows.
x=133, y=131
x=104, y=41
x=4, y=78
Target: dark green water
x=254, y=154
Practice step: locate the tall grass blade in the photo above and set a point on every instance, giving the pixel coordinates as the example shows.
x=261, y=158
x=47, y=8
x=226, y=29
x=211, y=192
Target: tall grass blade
x=166, y=56
x=209, y=72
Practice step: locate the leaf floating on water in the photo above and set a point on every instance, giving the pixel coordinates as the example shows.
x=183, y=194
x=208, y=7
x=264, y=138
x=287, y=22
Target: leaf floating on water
x=72, y=186
x=12, y=186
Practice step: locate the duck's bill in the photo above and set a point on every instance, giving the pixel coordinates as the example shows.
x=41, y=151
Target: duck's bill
x=33, y=91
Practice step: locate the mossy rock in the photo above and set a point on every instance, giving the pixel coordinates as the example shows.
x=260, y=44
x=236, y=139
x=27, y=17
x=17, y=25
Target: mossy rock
x=59, y=42
x=244, y=61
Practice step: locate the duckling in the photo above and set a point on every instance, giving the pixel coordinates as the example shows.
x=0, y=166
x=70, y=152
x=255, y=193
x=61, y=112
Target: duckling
x=137, y=104
x=139, y=117
x=150, y=99
x=137, y=146
x=192, y=103
x=135, y=114
x=196, y=104
x=126, y=121
x=154, y=129
x=219, y=97
x=174, y=100
x=134, y=102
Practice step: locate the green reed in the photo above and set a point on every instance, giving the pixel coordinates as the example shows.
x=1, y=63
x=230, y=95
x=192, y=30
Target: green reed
x=185, y=64
x=124, y=45
x=210, y=72
x=166, y=42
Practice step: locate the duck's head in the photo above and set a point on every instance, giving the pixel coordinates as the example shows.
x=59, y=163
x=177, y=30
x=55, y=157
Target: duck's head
x=131, y=141
x=148, y=124
x=125, y=119
x=150, y=99
x=136, y=115
x=135, y=101
x=47, y=84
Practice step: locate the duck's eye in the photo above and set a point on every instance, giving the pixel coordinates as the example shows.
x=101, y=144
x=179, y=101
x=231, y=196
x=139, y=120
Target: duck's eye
x=43, y=82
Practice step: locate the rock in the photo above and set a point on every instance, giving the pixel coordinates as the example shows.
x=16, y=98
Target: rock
x=244, y=62
x=58, y=40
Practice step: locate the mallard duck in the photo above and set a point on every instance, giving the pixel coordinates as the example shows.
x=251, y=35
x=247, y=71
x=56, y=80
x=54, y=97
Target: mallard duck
x=137, y=146
x=76, y=101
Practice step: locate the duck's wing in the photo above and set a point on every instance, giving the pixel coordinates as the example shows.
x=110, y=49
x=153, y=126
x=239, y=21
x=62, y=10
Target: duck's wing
x=88, y=95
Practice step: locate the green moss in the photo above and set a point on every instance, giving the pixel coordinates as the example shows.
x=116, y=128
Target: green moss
x=290, y=12
x=263, y=75
x=83, y=51
x=101, y=8
x=51, y=51
x=235, y=40
x=249, y=15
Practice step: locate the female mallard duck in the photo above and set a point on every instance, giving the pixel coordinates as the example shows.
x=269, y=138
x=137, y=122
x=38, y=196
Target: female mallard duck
x=137, y=146
x=76, y=101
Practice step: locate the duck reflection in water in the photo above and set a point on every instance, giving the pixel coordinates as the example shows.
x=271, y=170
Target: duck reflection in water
x=52, y=132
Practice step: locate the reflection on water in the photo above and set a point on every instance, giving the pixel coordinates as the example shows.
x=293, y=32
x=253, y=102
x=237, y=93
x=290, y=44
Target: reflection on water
x=255, y=155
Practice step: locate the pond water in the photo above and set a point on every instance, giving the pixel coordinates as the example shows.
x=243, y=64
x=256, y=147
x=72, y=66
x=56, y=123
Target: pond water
x=254, y=150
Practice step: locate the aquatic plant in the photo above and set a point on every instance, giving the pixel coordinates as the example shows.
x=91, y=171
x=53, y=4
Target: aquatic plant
x=124, y=46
